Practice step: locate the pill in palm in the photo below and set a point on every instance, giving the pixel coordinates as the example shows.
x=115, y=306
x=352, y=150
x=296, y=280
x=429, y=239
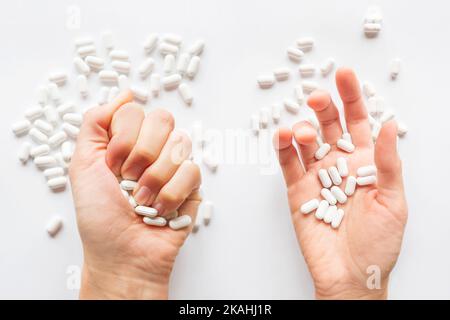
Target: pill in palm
x=350, y=186
x=156, y=221
x=341, y=164
x=337, y=218
x=180, y=222
x=132, y=201
x=330, y=214
x=322, y=151
x=146, y=211
x=365, y=181
x=324, y=178
x=128, y=185
x=339, y=194
x=309, y=206
x=334, y=175
x=327, y=195
x=366, y=171
x=345, y=145
x=322, y=209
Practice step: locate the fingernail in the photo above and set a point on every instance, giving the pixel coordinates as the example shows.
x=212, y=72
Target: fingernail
x=142, y=195
x=159, y=207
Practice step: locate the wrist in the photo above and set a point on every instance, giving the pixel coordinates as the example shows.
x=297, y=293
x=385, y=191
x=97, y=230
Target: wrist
x=121, y=283
x=352, y=293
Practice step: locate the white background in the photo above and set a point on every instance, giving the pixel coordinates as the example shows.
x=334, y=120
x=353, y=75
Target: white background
x=249, y=250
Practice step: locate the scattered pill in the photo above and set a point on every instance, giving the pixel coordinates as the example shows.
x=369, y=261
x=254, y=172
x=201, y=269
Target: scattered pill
x=266, y=81
x=299, y=94
x=87, y=50
x=334, y=175
x=60, y=160
x=309, y=86
x=350, y=186
x=139, y=93
x=276, y=113
x=193, y=67
x=330, y=214
x=167, y=48
x=394, y=68
x=365, y=181
x=146, y=68
x=45, y=161
x=42, y=95
x=402, y=129
x=366, y=171
x=322, y=151
x=324, y=178
x=43, y=126
x=108, y=76
x=57, y=139
x=264, y=115
x=67, y=150
x=157, y=221
x=121, y=66
x=33, y=113
x=24, y=152
x=185, y=93
x=83, y=41
x=82, y=85
x=307, y=70
x=54, y=225
x=207, y=212
x=180, y=222
x=57, y=183
x=345, y=145
x=210, y=161
x=337, y=218
x=107, y=40
x=295, y=54
x=21, y=127
x=71, y=130
x=146, y=211
x=128, y=185
x=254, y=124
x=54, y=172
x=183, y=62
x=94, y=62
x=38, y=136
x=169, y=64
x=291, y=106
x=341, y=164
x=322, y=209
x=39, y=150
x=368, y=89
x=81, y=66
x=387, y=115
x=340, y=196
x=197, y=48
x=327, y=66
x=73, y=118
x=282, y=73
x=172, y=39
x=327, y=195
x=372, y=29
x=59, y=77
x=305, y=44
x=373, y=15
x=119, y=55
x=171, y=82
x=150, y=43
x=113, y=93
x=54, y=93
x=155, y=84
x=309, y=206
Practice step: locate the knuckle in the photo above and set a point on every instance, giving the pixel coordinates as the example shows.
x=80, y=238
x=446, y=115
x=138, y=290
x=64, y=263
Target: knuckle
x=165, y=117
x=121, y=146
x=145, y=155
x=154, y=178
x=171, y=197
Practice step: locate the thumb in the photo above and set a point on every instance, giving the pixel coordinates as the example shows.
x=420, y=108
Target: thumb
x=388, y=163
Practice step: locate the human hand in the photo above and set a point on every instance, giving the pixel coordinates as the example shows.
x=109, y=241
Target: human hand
x=123, y=257
x=375, y=216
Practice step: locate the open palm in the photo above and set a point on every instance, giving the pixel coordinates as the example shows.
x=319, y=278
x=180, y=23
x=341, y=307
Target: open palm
x=371, y=232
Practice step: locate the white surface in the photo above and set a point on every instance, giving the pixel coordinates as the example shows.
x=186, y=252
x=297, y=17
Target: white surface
x=249, y=250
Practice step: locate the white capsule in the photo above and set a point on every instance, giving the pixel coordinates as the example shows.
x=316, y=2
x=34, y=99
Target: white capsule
x=210, y=161
x=146, y=211
x=372, y=29
x=350, y=186
x=103, y=95
x=121, y=66
x=375, y=105
x=185, y=93
x=67, y=150
x=58, y=77
x=128, y=185
x=150, y=43
x=264, y=117
x=376, y=131
x=140, y=93
x=322, y=209
x=276, y=113
x=339, y=194
x=193, y=67
x=167, y=48
x=125, y=193
x=327, y=195
x=327, y=66
x=299, y=95
x=146, y=68
x=172, y=38
x=82, y=85
x=266, y=81
x=124, y=82
x=368, y=89
x=132, y=201
x=347, y=137
x=197, y=225
x=108, y=76
x=337, y=219
x=183, y=62
x=334, y=175
x=305, y=44
x=94, y=62
x=54, y=172
x=180, y=222
x=342, y=167
x=88, y=50
x=373, y=15
x=70, y=130
x=73, y=118
x=197, y=48
x=402, y=129
x=295, y=54
x=21, y=127
x=309, y=206
x=57, y=183
x=157, y=221
x=81, y=66
x=282, y=73
x=34, y=112
x=54, y=225
x=345, y=145
x=107, y=40
x=366, y=171
x=155, y=84
x=387, y=115
x=83, y=41
x=365, y=181
x=207, y=212
x=307, y=70
x=254, y=124
x=309, y=86
x=54, y=93
x=113, y=93
x=39, y=150
x=45, y=161
x=322, y=151
x=324, y=178
x=24, y=152
x=119, y=55
x=169, y=64
x=330, y=214
x=291, y=106
x=56, y=139
x=61, y=161
x=171, y=82
x=38, y=136
x=65, y=108
x=42, y=95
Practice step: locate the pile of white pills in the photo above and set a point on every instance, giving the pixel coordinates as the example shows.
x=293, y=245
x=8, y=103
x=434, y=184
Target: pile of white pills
x=52, y=124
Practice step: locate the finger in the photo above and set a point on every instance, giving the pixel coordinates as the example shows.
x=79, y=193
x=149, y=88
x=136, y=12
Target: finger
x=174, y=193
x=287, y=156
x=327, y=114
x=355, y=112
x=155, y=130
x=305, y=136
x=124, y=129
x=177, y=149
x=387, y=161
